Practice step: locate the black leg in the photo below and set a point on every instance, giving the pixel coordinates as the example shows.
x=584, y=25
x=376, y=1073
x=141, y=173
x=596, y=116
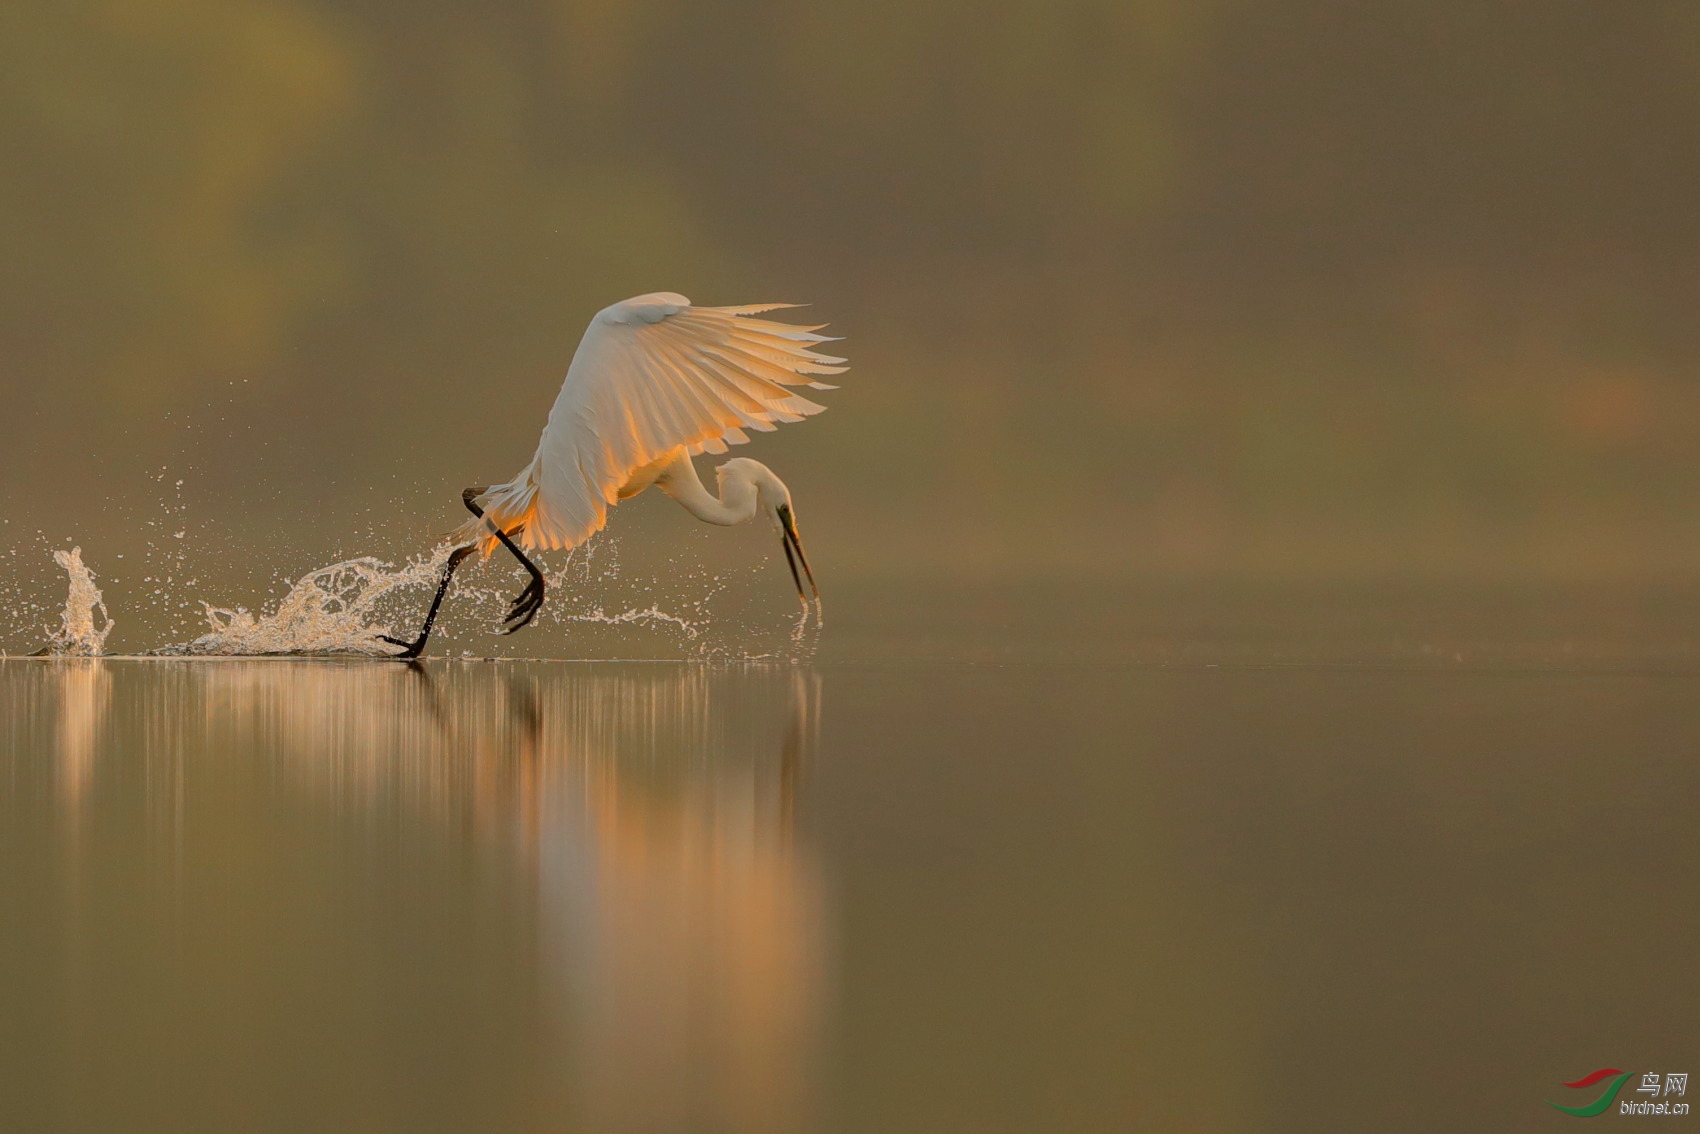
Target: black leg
x=530, y=600
x=416, y=647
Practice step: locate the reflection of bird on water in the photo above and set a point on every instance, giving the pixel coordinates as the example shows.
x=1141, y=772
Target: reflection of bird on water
x=648, y=814
x=654, y=381
x=800, y=738
x=679, y=919
x=687, y=919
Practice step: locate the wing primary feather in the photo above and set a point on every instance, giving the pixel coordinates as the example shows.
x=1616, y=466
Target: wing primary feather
x=784, y=356
x=788, y=332
x=796, y=361
x=751, y=308
x=732, y=354
x=752, y=394
x=790, y=361
x=677, y=388
x=803, y=348
x=755, y=401
x=709, y=419
x=664, y=410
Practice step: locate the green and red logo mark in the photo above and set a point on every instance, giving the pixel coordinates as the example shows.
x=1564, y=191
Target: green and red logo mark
x=1606, y=1096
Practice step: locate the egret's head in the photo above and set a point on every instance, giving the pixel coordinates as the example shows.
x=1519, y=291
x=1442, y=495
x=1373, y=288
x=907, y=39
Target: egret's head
x=773, y=500
x=743, y=474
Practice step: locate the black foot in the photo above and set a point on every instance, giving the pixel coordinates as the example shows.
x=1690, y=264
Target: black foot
x=408, y=649
x=524, y=608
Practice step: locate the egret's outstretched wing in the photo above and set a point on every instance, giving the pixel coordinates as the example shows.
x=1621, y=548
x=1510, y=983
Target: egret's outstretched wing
x=654, y=374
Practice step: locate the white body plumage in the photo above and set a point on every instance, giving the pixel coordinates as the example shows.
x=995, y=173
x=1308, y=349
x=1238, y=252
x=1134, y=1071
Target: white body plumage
x=655, y=381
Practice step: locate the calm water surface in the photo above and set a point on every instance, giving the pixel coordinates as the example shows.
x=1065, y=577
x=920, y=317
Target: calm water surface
x=1201, y=861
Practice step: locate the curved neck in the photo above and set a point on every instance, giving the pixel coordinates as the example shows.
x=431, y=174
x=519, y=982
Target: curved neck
x=736, y=503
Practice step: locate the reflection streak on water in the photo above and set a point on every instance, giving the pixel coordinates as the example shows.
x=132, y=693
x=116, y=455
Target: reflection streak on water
x=648, y=810
x=82, y=710
x=703, y=945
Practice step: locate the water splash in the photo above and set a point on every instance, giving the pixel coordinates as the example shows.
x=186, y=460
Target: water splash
x=329, y=611
x=806, y=628
x=348, y=607
x=78, y=636
x=651, y=613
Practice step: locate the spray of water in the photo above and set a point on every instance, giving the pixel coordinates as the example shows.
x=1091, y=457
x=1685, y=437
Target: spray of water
x=650, y=614
x=329, y=611
x=347, y=607
x=78, y=636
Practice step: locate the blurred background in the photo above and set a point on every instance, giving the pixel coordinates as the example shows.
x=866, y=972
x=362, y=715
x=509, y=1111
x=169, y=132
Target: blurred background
x=1132, y=288
x=1319, y=382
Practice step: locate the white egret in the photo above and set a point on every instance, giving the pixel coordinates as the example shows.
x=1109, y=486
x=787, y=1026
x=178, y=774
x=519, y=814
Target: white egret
x=654, y=381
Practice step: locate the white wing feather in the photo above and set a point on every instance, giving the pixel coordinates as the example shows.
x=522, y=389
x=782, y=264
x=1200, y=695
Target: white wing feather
x=652, y=375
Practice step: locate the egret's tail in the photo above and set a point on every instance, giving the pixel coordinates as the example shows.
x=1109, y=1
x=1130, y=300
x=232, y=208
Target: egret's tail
x=510, y=507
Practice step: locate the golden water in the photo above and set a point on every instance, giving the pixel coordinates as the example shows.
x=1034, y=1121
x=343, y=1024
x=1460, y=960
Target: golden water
x=1103, y=859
